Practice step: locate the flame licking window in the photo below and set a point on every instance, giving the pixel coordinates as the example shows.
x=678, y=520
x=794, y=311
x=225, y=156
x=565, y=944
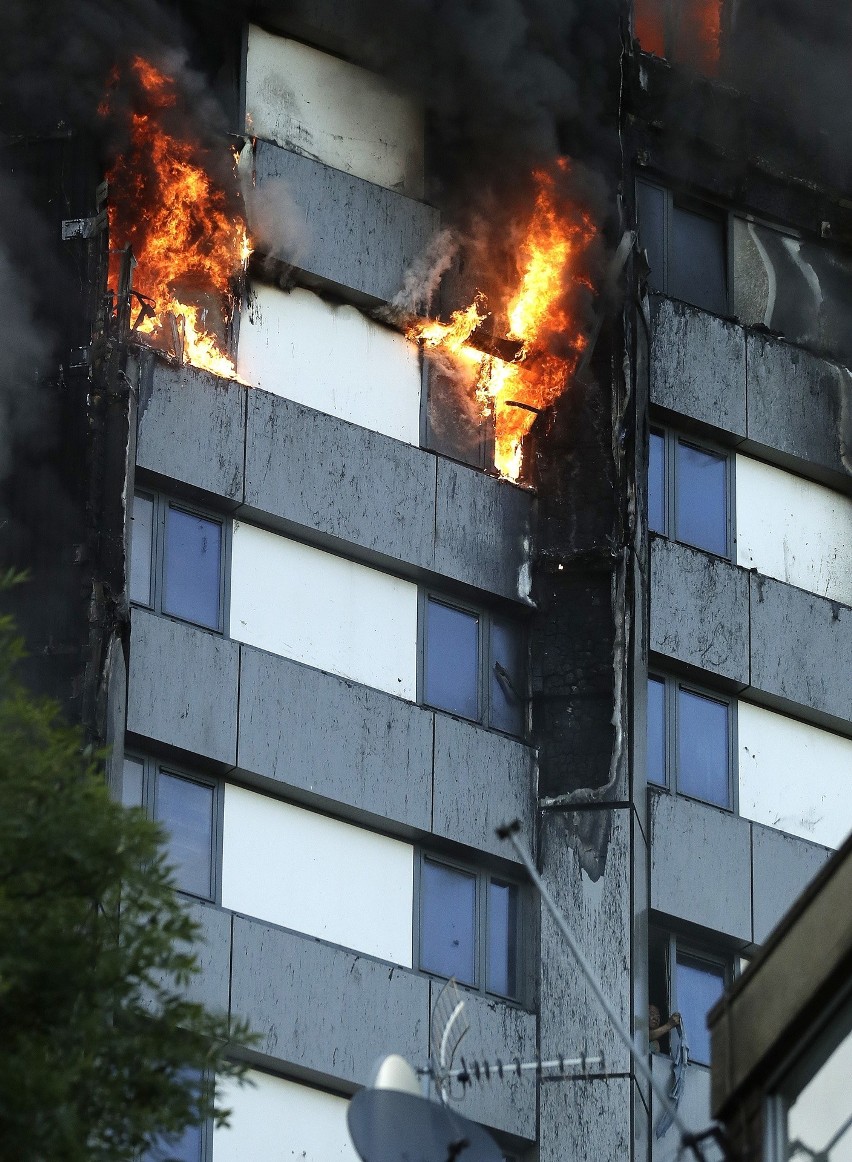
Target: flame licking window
x=542, y=324
x=185, y=227
x=685, y=32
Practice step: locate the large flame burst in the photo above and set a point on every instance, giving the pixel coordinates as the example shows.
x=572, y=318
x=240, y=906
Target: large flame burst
x=539, y=320
x=187, y=241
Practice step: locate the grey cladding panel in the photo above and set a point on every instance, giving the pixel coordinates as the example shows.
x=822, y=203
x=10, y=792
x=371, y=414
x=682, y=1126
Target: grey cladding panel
x=482, y=530
x=359, y=236
x=183, y=686
x=212, y=985
x=192, y=429
x=499, y=1030
x=323, y=1008
x=482, y=780
x=699, y=610
x=322, y=473
x=782, y=867
x=698, y=366
x=701, y=865
x=601, y=918
x=334, y=738
x=800, y=647
x=588, y=1120
x=799, y=404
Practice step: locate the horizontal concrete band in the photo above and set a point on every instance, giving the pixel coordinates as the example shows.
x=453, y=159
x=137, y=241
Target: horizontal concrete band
x=324, y=740
x=782, y=646
x=721, y=872
x=370, y=236
x=772, y=398
x=294, y=469
x=314, y=1008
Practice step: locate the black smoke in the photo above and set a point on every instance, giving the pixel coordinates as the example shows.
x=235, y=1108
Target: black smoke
x=794, y=59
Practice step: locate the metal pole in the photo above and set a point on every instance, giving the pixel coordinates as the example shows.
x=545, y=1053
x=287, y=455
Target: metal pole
x=511, y=832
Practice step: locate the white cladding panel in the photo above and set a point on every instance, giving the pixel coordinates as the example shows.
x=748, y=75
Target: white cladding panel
x=320, y=609
x=794, y=776
x=334, y=112
x=794, y=530
x=274, y=1120
x=331, y=358
x=317, y=875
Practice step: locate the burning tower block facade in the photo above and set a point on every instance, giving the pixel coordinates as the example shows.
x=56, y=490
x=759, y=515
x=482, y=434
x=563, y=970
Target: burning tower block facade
x=350, y=652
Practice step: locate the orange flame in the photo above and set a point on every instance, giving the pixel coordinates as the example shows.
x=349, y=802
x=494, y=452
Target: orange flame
x=538, y=314
x=186, y=239
x=685, y=31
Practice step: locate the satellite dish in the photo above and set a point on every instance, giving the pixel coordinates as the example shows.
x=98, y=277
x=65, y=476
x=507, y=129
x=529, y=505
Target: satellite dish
x=388, y=1125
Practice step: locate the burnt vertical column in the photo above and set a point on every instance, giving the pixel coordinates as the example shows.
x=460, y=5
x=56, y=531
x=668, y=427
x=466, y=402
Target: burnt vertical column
x=592, y=852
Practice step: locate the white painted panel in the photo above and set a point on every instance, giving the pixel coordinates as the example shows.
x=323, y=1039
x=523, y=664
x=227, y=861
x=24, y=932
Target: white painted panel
x=274, y=1120
x=794, y=776
x=323, y=610
x=317, y=875
x=334, y=112
x=332, y=358
x=794, y=530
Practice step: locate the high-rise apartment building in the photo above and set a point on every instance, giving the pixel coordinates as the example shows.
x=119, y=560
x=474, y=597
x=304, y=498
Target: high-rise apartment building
x=339, y=650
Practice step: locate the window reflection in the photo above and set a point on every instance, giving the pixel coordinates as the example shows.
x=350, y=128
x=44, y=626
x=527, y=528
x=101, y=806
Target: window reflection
x=698, y=986
x=702, y=747
x=701, y=499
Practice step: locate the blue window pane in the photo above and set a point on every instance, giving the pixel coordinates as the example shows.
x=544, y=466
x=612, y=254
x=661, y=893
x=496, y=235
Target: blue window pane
x=699, y=986
x=507, y=678
x=448, y=936
x=191, y=569
x=656, y=731
x=131, y=782
x=452, y=659
x=185, y=1147
x=657, y=483
x=502, y=939
x=702, y=749
x=141, y=549
x=702, y=510
x=696, y=260
x=185, y=809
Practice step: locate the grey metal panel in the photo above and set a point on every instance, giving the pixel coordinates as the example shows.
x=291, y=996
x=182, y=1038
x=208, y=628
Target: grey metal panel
x=482, y=529
x=314, y=471
x=481, y=781
x=701, y=865
x=322, y=1008
x=600, y=914
x=587, y=1120
x=183, y=686
x=782, y=867
x=360, y=236
x=796, y=404
x=694, y=1108
x=192, y=429
x=699, y=610
x=499, y=1030
x=800, y=648
x=213, y=984
x=328, y=736
x=698, y=366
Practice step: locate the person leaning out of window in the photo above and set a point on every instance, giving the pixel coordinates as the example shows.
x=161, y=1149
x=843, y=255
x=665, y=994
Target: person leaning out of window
x=657, y=1030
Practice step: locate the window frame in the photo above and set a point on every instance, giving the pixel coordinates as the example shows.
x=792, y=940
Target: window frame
x=484, y=877
x=675, y=945
x=693, y=204
x=151, y=770
x=163, y=502
x=673, y=684
x=485, y=660
x=714, y=959
x=672, y=437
